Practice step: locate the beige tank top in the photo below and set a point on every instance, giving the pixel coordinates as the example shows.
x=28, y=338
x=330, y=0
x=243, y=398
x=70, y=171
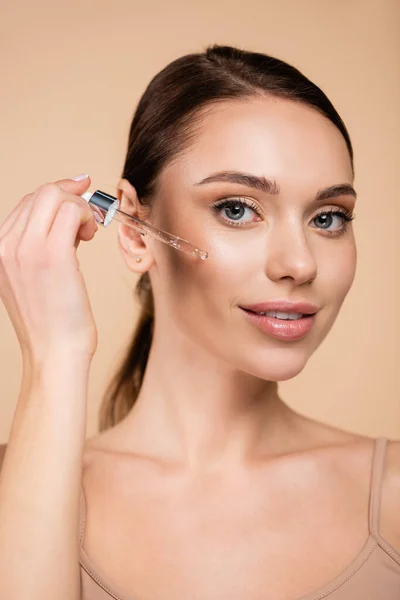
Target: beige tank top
x=374, y=574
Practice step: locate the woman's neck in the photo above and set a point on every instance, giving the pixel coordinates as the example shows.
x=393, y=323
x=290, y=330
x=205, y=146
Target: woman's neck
x=196, y=410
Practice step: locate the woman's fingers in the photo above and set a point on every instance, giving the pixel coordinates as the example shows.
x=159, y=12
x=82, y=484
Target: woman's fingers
x=47, y=203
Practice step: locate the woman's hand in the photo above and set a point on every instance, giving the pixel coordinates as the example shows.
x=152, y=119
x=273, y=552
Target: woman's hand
x=41, y=285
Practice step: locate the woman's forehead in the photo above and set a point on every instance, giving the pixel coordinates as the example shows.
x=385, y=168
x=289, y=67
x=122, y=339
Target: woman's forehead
x=275, y=138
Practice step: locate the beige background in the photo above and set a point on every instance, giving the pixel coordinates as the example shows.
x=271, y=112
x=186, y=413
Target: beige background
x=71, y=76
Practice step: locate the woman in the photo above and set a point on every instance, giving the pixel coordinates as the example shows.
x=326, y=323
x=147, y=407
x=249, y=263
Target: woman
x=202, y=482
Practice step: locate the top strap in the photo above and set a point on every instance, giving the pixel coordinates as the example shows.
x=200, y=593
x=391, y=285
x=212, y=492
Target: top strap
x=376, y=484
x=82, y=515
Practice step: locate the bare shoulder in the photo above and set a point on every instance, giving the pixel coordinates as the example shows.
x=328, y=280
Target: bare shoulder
x=318, y=435
x=358, y=449
x=389, y=526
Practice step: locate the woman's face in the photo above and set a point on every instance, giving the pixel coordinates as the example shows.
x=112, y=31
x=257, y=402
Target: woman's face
x=275, y=246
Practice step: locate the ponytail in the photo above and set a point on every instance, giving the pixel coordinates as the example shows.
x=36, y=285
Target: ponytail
x=124, y=387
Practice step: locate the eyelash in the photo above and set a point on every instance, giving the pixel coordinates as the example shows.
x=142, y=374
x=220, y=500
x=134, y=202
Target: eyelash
x=346, y=215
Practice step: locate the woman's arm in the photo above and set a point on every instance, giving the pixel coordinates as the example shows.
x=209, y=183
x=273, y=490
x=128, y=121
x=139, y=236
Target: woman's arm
x=40, y=484
x=45, y=296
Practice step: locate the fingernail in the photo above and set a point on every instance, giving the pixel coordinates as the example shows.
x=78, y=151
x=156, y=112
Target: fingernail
x=80, y=177
x=97, y=217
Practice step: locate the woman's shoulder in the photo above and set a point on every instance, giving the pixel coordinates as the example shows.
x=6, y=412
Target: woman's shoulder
x=353, y=447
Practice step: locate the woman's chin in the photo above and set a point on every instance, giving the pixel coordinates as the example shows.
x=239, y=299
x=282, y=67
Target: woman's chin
x=275, y=368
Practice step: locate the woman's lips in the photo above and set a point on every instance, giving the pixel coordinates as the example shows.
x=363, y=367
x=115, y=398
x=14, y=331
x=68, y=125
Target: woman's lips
x=280, y=328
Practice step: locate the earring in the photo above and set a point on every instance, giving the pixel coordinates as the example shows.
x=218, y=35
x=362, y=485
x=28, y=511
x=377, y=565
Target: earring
x=139, y=259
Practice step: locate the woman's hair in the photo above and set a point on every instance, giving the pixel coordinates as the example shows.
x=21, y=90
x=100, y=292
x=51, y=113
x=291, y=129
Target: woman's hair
x=162, y=127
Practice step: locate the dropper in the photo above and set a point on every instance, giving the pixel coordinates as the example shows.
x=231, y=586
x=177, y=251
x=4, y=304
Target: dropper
x=110, y=206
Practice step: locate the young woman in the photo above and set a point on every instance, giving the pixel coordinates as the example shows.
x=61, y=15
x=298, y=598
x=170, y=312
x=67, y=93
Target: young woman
x=202, y=482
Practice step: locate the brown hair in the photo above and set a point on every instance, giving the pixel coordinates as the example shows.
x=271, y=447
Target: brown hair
x=161, y=129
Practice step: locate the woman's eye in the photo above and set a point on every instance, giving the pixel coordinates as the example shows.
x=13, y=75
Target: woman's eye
x=237, y=212
x=327, y=218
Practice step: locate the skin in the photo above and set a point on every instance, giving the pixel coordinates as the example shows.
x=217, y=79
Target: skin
x=209, y=421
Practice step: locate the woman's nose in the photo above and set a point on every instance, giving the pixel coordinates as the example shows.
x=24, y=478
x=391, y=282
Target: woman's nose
x=289, y=254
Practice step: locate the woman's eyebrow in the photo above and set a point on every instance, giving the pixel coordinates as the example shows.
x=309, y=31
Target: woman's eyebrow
x=269, y=186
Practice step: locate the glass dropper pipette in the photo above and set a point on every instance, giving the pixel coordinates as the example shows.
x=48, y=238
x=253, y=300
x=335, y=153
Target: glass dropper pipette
x=109, y=207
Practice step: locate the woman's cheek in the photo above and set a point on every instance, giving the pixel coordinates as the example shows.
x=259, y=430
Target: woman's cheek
x=337, y=270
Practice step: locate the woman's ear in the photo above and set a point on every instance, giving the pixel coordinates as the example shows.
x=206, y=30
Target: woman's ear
x=132, y=243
